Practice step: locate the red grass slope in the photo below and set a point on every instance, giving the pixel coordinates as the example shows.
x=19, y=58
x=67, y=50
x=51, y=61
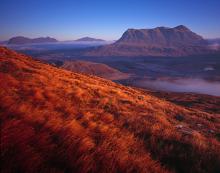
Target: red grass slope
x=54, y=120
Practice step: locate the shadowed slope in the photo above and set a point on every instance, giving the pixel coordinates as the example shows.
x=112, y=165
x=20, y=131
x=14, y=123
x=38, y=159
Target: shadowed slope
x=54, y=120
x=98, y=69
x=201, y=102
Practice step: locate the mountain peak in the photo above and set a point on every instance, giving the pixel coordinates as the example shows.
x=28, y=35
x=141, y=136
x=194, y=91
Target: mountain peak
x=161, y=36
x=159, y=41
x=182, y=27
x=89, y=39
x=162, y=27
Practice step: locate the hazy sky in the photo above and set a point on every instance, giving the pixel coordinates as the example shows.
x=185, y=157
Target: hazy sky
x=71, y=19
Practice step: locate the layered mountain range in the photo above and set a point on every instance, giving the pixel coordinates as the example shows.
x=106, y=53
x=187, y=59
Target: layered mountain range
x=160, y=41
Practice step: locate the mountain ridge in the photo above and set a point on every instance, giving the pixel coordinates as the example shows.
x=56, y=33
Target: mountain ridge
x=159, y=41
x=89, y=39
x=26, y=40
x=162, y=36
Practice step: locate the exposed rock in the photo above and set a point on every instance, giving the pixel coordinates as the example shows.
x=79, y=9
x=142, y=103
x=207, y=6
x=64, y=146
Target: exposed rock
x=179, y=117
x=160, y=41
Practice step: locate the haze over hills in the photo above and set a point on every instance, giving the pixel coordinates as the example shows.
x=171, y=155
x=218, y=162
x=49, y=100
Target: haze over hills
x=160, y=41
x=25, y=40
x=214, y=41
x=89, y=39
x=54, y=120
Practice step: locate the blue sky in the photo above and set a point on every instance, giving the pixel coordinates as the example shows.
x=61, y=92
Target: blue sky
x=71, y=19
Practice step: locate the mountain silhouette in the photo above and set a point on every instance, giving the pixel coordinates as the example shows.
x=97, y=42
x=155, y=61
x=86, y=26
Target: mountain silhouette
x=25, y=40
x=160, y=41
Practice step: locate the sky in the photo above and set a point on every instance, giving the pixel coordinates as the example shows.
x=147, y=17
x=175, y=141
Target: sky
x=72, y=19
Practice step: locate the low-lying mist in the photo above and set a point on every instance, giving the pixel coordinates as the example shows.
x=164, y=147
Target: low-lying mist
x=182, y=85
x=66, y=45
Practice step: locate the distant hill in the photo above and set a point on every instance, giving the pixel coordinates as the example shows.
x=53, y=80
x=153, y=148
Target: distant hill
x=97, y=69
x=160, y=41
x=25, y=40
x=3, y=42
x=89, y=39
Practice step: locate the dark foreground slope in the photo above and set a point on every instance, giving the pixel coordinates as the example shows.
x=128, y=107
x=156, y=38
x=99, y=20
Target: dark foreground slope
x=54, y=120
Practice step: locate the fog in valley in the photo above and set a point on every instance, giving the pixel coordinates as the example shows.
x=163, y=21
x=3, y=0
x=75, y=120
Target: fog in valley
x=180, y=74
x=182, y=85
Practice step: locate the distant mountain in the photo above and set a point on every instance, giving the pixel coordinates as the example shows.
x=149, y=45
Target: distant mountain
x=3, y=42
x=25, y=40
x=160, y=41
x=161, y=37
x=97, y=69
x=89, y=39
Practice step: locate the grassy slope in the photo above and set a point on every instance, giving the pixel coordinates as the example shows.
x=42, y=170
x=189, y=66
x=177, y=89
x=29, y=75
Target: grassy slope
x=54, y=120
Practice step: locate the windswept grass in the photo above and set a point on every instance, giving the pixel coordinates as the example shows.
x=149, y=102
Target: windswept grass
x=53, y=120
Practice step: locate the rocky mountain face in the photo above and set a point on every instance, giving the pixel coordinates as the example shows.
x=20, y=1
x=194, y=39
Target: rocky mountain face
x=25, y=40
x=160, y=41
x=161, y=37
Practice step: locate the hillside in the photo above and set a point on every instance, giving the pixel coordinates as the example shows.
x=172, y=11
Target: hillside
x=54, y=120
x=25, y=40
x=160, y=41
x=97, y=69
